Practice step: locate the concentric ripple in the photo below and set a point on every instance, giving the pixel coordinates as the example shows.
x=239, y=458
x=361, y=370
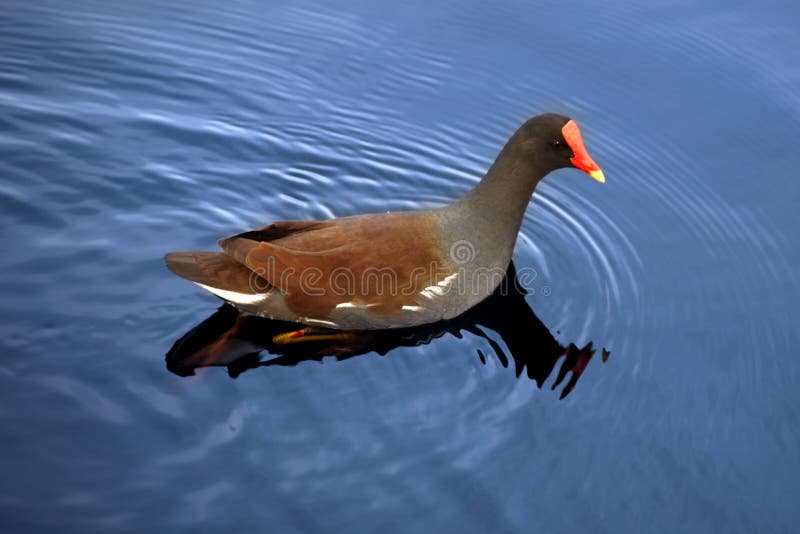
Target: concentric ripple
x=131, y=129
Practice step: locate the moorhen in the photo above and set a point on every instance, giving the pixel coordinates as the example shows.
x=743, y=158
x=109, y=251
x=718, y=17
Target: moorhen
x=396, y=269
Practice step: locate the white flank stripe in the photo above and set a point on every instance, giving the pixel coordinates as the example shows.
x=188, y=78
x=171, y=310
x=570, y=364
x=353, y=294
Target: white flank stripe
x=356, y=305
x=448, y=280
x=436, y=290
x=320, y=322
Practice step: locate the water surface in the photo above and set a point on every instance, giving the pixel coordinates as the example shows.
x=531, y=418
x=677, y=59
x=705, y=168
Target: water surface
x=129, y=130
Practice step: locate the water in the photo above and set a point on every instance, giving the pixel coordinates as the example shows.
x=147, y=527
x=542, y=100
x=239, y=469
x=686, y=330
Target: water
x=127, y=131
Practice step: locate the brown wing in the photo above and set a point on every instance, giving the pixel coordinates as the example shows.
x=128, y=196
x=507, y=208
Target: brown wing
x=381, y=261
x=278, y=230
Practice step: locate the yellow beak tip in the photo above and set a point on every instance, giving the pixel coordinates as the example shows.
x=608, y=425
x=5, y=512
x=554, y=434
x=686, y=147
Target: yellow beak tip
x=598, y=175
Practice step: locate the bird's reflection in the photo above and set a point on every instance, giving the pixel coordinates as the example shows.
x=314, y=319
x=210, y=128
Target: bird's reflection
x=237, y=341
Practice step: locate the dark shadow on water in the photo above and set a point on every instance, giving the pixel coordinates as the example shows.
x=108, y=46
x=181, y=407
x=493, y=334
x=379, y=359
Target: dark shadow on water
x=237, y=341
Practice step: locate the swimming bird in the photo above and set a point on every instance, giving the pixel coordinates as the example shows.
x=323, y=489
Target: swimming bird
x=394, y=269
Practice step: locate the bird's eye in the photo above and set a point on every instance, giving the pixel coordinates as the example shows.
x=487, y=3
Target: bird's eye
x=555, y=143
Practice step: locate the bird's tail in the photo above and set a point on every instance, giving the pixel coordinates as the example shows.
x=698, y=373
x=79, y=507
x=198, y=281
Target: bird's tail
x=220, y=274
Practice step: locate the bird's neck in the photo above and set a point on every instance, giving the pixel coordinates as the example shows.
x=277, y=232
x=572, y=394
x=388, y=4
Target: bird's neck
x=496, y=205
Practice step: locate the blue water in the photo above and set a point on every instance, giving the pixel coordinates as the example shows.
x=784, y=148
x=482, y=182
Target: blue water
x=129, y=129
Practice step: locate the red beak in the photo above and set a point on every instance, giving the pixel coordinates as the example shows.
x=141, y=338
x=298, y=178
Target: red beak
x=580, y=157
